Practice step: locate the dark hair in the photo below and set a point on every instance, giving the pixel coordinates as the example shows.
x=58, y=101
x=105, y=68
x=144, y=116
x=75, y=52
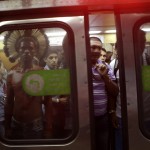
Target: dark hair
x=141, y=37
x=103, y=49
x=51, y=51
x=67, y=47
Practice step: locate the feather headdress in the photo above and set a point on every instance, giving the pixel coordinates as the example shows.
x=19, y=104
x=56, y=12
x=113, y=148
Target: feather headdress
x=13, y=38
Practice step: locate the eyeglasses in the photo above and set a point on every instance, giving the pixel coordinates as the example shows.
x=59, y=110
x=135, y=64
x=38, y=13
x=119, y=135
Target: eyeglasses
x=93, y=47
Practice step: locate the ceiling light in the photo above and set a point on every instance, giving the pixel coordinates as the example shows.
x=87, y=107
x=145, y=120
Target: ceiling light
x=146, y=29
x=94, y=32
x=52, y=34
x=110, y=31
x=1, y=38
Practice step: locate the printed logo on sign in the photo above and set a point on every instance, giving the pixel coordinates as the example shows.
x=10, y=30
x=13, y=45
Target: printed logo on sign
x=34, y=83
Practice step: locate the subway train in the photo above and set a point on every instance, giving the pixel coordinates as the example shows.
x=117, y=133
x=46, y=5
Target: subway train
x=65, y=26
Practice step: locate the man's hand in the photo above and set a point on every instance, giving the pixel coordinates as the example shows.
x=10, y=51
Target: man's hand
x=114, y=120
x=63, y=100
x=102, y=69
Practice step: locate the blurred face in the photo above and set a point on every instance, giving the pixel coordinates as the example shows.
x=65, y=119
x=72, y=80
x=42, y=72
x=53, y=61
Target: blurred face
x=142, y=42
x=95, y=50
x=95, y=46
x=27, y=51
x=52, y=61
x=102, y=56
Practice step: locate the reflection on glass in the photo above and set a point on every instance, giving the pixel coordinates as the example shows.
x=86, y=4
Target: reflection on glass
x=35, y=51
x=144, y=55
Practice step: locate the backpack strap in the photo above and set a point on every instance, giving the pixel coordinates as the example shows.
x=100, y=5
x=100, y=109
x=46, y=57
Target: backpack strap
x=116, y=67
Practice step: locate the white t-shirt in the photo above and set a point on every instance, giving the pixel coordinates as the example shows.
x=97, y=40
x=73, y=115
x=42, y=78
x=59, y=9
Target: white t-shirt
x=118, y=103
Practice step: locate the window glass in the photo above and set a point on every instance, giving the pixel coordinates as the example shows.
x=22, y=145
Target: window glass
x=35, y=91
x=143, y=67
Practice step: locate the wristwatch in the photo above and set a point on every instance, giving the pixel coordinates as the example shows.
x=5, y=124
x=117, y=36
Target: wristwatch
x=56, y=100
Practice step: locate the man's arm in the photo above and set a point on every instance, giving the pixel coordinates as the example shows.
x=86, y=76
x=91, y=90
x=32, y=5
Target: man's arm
x=112, y=92
x=111, y=86
x=48, y=117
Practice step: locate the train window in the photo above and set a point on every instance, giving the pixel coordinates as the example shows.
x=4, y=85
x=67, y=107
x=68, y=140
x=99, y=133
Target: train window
x=37, y=75
x=143, y=76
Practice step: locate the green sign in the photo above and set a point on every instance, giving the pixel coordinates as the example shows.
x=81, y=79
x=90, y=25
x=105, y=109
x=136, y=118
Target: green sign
x=47, y=82
x=146, y=78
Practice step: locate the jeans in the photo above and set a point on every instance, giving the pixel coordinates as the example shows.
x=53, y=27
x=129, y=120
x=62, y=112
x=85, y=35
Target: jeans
x=33, y=130
x=102, y=132
x=118, y=136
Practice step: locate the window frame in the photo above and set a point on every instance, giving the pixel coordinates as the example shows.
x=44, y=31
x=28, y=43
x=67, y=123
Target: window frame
x=73, y=79
x=138, y=67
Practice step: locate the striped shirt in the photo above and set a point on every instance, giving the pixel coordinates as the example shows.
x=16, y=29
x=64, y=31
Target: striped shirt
x=99, y=91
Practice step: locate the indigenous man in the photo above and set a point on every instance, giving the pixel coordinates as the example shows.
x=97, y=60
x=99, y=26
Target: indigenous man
x=24, y=118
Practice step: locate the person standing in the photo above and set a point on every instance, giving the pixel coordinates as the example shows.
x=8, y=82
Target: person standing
x=118, y=129
x=24, y=118
x=59, y=102
x=3, y=75
x=104, y=94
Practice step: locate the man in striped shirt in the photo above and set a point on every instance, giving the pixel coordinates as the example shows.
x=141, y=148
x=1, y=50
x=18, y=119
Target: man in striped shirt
x=104, y=94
